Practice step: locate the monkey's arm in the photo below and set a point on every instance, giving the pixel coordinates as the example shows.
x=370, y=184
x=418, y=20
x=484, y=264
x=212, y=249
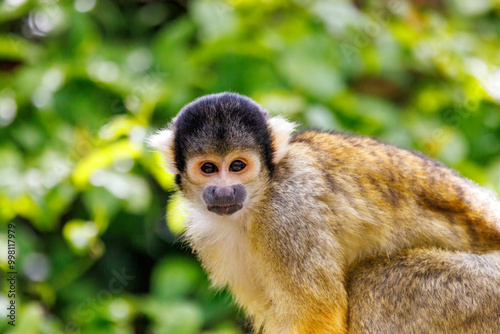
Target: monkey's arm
x=425, y=291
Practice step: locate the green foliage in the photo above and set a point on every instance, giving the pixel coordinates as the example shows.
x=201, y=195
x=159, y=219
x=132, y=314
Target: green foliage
x=82, y=84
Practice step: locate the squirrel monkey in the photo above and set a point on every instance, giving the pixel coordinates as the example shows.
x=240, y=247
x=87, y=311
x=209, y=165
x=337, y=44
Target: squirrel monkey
x=280, y=218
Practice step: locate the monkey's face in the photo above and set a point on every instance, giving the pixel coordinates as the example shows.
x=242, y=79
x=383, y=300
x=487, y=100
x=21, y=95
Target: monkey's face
x=223, y=149
x=223, y=182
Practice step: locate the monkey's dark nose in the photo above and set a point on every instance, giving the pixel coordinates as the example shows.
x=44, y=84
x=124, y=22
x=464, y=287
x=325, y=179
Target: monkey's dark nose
x=224, y=199
x=219, y=195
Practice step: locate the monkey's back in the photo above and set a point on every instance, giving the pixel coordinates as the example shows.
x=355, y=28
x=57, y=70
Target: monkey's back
x=385, y=186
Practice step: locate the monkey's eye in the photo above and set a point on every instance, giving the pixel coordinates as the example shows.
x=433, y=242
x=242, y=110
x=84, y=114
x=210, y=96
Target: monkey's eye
x=209, y=168
x=237, y=165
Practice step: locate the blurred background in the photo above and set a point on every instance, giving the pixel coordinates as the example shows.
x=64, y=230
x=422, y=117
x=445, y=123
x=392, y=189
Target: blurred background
x=83, y=82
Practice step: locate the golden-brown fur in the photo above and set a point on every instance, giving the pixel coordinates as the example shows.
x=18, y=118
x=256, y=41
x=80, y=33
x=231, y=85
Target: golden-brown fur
x=425, y=291
x=395, y=185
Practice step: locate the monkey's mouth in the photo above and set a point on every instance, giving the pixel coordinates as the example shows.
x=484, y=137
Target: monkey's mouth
x=225, y=209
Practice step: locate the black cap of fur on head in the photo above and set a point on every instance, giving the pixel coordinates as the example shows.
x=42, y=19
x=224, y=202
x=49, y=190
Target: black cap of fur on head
x=219, y=124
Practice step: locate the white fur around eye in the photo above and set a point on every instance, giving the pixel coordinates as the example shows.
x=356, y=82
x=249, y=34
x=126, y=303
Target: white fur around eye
x=163, y=142
x=281, y=131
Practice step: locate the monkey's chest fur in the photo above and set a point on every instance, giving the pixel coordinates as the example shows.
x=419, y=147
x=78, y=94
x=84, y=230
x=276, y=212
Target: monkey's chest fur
x=223, y=246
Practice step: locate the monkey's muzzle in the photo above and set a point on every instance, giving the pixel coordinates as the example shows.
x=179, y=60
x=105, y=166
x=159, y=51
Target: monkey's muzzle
x=224, y=200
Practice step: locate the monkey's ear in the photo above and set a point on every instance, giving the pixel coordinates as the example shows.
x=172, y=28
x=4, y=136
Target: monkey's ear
x=281, y=131
x=163, y=142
